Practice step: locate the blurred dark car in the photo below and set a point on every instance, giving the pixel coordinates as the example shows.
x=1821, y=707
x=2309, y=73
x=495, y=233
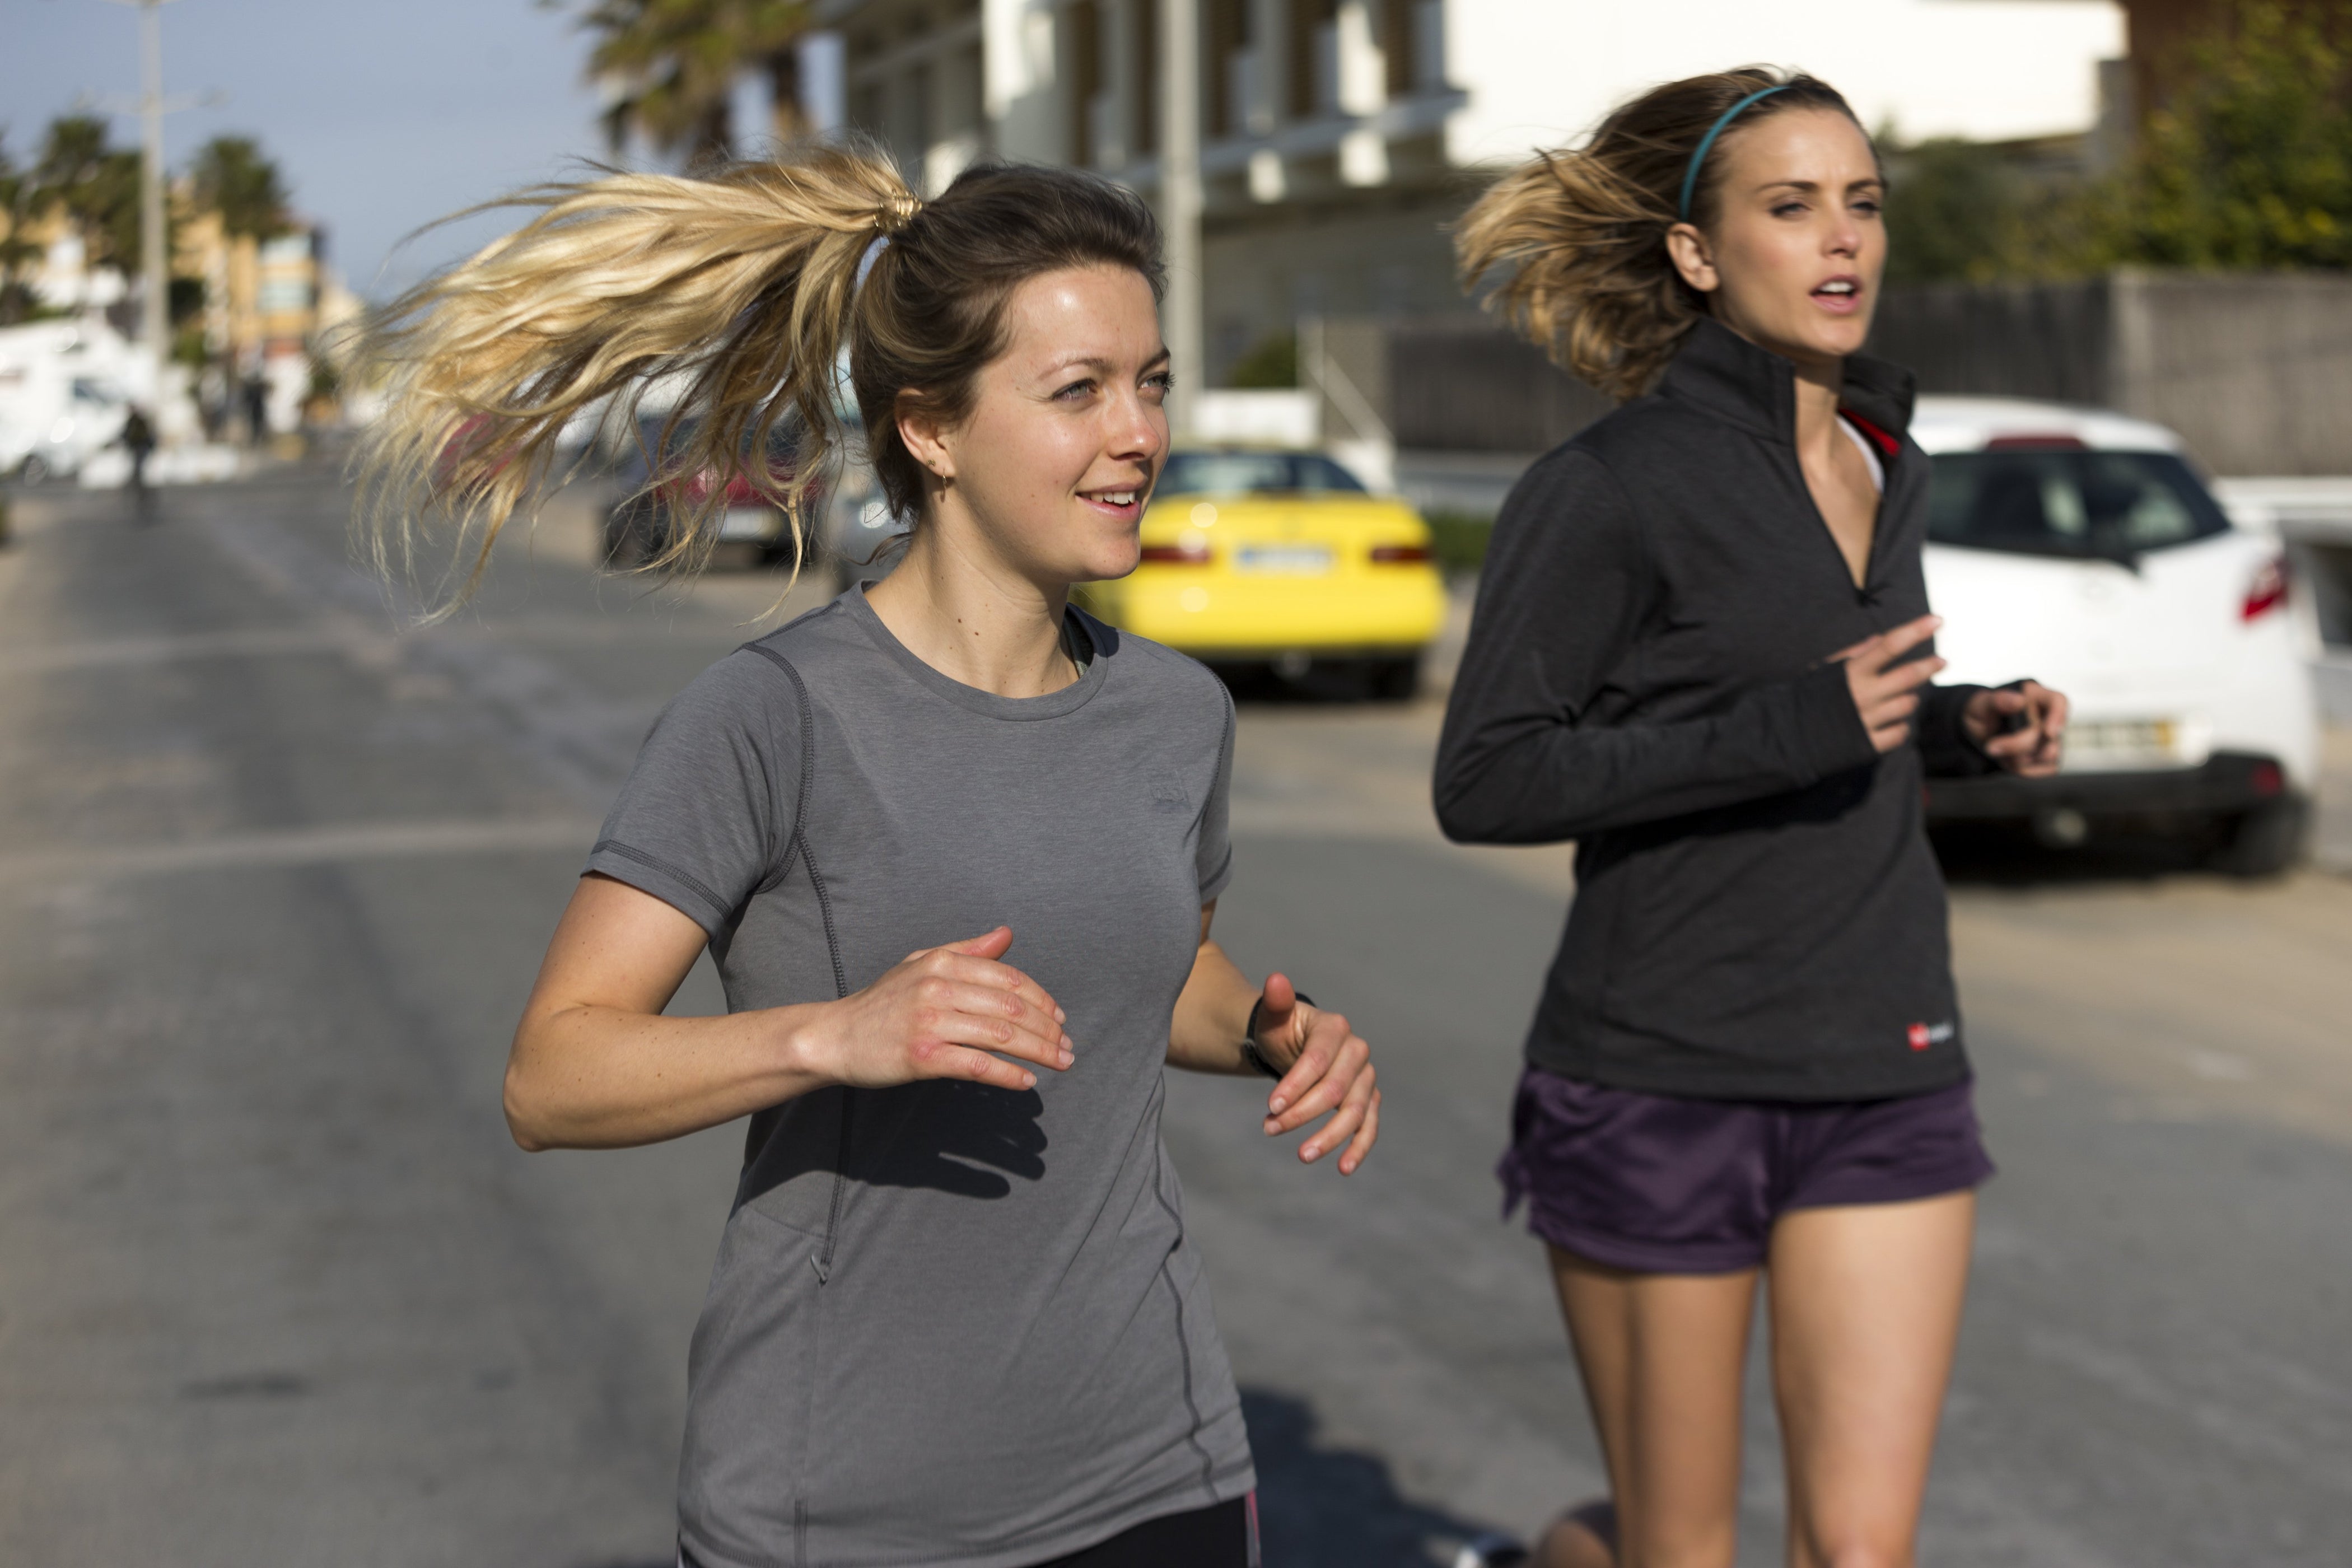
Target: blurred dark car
x=749, y=519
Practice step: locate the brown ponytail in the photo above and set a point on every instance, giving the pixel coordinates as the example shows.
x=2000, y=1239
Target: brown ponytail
x=1581, y=234
x=742, y=286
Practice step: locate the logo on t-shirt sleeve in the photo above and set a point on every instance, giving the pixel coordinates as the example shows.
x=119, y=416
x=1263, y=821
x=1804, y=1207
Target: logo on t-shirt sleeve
x=1170, y=795
x=1922, y=1035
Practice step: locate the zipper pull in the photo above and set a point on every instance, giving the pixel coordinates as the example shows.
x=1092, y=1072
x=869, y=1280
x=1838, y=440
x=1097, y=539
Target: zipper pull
x=824, y=1276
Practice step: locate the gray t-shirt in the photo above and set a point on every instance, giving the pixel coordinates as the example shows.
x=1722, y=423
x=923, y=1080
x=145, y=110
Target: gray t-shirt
x=950, y=1325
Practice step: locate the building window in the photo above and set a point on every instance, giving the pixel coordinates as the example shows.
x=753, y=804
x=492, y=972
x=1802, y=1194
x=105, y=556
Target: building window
x=1084, y=23
x=1428, y=35
x=1232, y=79
x=1314, y=59
x=1396, y=46
x=1144, y=15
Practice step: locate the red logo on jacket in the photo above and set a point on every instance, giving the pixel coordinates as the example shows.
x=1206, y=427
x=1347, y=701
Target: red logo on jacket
x=1920, y=1040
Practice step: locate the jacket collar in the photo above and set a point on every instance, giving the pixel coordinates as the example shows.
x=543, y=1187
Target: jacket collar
x=1722, y=373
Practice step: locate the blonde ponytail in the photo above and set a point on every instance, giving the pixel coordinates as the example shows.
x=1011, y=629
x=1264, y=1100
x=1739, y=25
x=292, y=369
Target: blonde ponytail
x=736, y=285
x=742, y=284
x=1578, y=236
x=1582, y=251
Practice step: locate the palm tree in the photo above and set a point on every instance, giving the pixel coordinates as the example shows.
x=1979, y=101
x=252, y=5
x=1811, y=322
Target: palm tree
x=18, y=250
x=97, y=183
x=674, y=64
x=230, y=175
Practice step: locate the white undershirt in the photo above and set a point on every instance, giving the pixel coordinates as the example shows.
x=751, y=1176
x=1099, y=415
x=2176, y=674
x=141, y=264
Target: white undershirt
x=1869, y=450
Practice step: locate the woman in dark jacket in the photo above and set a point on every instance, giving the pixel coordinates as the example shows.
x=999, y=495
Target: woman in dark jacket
x=1703, y=650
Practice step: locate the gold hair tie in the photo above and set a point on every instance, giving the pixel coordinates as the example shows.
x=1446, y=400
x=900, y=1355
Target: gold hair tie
x=897, y=213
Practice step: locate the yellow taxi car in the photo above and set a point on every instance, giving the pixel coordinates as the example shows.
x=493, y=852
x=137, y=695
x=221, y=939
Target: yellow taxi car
x=1280, y=558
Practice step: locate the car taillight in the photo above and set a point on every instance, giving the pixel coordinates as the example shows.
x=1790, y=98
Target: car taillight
x=2037, y=441
x=2267, y=592
x=1191, y=555
x=695, y=489
x=1399, y=554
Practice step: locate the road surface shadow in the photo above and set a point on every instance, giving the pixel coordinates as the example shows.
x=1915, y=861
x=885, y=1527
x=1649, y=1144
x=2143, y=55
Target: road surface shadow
x=1334, y=1508
x=1319, y=1507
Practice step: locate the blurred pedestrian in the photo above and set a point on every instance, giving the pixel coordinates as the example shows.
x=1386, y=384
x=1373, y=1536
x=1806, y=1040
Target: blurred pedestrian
x=956, y=1317
x=255, y=393
x=1703, y=650
x=137, y=438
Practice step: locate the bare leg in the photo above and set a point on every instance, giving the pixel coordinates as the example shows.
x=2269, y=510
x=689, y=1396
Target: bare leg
x=1584, y=1537
x=1865, y=1304
x=1661, y=1355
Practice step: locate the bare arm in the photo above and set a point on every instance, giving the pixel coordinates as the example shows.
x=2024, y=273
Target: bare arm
x=1327, y=1066
x=596, y=1066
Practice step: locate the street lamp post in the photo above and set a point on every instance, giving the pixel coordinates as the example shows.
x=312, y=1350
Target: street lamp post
x=1179, y=202
x=154, y=266
x=155, y=259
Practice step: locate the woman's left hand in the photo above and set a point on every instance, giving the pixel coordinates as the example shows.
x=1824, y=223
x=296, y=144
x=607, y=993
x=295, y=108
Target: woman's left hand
x=1330, y=1070
x=2021, y=728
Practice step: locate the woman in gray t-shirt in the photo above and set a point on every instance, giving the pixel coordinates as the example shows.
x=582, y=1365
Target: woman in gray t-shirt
x=956, y=1320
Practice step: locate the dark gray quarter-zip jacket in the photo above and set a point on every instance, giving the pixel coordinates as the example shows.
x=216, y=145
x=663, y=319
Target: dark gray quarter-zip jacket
x=1757, y=914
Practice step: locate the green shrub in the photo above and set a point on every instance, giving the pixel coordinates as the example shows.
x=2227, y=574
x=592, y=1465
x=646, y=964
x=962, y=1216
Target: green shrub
x=1271, y=363
x=1458, y=540
x=2249, y=165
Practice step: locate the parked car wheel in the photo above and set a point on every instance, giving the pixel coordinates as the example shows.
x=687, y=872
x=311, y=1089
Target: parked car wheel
x=783, y=555
x=2266, y=841
x=625, y=542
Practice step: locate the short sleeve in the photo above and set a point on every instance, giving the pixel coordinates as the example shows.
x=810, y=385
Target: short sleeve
x=710, y=809
x=1214, y=858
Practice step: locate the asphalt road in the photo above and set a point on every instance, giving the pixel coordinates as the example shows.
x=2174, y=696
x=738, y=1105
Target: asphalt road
x=275, y=1288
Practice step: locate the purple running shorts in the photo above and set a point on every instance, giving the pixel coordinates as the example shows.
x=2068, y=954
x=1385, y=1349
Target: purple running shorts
x=1661, y=1184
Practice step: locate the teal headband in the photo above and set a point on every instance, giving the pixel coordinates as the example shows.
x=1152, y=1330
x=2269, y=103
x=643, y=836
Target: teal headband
x=1706, y=143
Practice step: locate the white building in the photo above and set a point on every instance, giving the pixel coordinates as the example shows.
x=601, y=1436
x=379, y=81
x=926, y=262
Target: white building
x=1338, y=136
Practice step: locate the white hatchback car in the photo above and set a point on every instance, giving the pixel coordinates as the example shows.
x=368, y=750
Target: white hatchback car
x=2081, y=548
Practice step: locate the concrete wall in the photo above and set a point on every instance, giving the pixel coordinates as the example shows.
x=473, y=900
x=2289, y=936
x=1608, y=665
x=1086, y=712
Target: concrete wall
x=1383, y=255
x=2052, y=341
x=1464, y=386
x=2254, y=371
x=1446, y=383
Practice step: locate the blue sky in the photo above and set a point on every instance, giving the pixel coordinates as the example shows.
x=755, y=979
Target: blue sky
x=384, y=114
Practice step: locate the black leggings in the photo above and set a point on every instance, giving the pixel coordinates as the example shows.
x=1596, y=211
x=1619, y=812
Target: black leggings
x=1223, y=1535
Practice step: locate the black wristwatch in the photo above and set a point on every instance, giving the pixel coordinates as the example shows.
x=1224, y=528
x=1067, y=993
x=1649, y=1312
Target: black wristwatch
x=1250, y=1053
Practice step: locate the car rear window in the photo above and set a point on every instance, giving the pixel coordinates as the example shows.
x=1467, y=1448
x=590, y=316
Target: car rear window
x=1239, y=473
x=2057, y=501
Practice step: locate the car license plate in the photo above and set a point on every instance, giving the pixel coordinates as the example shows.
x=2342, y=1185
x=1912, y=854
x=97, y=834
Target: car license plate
x=1284, y=560
x=751, y=523
x=2096, y=745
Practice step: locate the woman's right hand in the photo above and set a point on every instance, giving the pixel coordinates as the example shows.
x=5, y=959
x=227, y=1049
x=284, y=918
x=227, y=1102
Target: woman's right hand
x=1885, y=683
x=939, y=1013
